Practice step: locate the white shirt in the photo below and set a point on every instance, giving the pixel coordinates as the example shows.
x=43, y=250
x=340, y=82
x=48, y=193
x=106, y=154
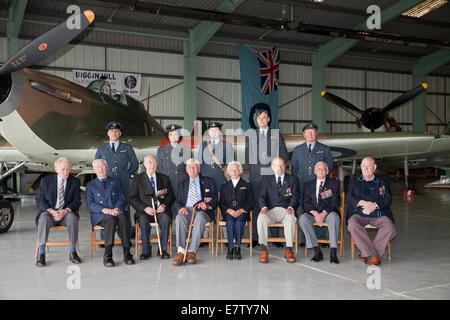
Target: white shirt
x=214, y=142
x=318, y=187
x=235, y=182
x=116, y=145
x=282, y=179
x=154, y=179
x=264, y=131
x=312, y=145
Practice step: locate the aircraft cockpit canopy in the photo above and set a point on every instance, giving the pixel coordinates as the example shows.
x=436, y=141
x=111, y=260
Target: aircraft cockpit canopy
x=103, y=86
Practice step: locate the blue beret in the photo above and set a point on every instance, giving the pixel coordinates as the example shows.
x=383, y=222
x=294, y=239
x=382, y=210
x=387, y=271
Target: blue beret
x=114, y=125
x=172, y=127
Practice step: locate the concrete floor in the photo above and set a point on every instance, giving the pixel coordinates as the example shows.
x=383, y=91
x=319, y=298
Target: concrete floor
x=419, y=269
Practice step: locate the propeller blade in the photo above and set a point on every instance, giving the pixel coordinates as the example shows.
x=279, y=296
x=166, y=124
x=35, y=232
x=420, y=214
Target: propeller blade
x=46, y=44
x=405, y=97
x=340, y=102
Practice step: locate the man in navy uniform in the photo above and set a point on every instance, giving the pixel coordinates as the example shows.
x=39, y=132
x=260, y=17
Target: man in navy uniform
x=305, y=157
x=172, y=158
x=259, y=154
x=278, y=200
x=106, y=201
x=321, y=201
x=120, y=157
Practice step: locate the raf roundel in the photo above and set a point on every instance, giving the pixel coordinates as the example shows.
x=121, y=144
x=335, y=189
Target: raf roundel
x=42, y=46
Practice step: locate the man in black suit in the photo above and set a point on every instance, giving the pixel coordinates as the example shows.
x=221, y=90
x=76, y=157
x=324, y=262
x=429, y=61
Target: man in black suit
x=145, y=186
x=261, y=147
x=58, y=200
x=236, y=201
x=195, y=190
x=321, y=201
x=279, y=199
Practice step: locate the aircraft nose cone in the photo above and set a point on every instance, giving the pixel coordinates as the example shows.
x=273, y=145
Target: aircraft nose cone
x=11, y=92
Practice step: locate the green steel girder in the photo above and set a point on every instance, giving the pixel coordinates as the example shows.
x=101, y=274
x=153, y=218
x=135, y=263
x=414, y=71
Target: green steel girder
x=198, y=37
x=335, y=48
x=13, y=25
x=421, y=69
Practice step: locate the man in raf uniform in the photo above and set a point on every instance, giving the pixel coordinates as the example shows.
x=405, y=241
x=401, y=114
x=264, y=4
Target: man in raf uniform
x=304, y=158
x=259, y=154
x=172, y=158
x=120, y=158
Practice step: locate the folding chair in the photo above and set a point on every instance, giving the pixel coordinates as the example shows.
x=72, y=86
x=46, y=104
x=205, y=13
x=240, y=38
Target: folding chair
x=370, y=227
x=54, y=243
x=94, y=240
x=219, y=234
x=138, y=240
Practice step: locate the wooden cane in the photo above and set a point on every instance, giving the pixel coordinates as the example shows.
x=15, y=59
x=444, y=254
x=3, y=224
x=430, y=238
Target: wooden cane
x=157, y=228
x=189, y=232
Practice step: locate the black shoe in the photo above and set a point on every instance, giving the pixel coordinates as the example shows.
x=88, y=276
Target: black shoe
x=74, y=258
x=237, y=253
x=164, y=255
x=203, y=244
x=302, y=244
x=324, y=245
x=278, y=244
x=333, y=256
x=145, y=256
x=129, y=260
x=254, y=244
x=230, y=254
x=101, y=246
x=318, y=256
x=40, y=262
x=108, y=262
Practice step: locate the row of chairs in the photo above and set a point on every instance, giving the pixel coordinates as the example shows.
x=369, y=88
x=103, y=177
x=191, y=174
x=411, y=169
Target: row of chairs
x=220, y=239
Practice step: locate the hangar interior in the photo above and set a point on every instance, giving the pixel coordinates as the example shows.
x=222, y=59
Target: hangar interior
x=190, y=70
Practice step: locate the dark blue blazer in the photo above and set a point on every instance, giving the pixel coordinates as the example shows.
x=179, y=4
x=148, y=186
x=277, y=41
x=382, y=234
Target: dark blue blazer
x=330, y=204
x=237, y=198
x=355, y=193
x=207, y=189
x=98, y=198
x=288, y=197
x=47, y=194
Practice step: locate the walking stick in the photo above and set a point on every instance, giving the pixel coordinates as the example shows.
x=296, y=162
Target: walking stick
x=157, y=228
x=189, y=232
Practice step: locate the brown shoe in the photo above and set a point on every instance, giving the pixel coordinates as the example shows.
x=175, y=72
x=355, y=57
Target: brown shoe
x=264, y=256
x=364, y=259
x=289, y=255
x=191, y=257
x=375, y=261
x=178, y=259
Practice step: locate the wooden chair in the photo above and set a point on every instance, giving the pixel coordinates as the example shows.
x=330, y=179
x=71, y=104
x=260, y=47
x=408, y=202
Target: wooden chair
x=282, y=239
x=54, y=243
x=94, y=240
x=341, y=237
x=370, y=227
x=138, y=240
x=219, y=234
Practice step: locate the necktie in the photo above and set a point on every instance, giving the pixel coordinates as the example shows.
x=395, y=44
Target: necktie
x=279, y=184
x=193, y=193
x=153, y=183
x=320, y=191
x=113, y=147
x=309, y=148
x=60, y=194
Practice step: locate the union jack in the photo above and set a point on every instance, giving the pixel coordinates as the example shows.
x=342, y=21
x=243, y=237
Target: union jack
x=269, y=63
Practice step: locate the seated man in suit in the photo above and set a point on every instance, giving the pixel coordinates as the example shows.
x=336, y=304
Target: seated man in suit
x=106, y=201
x=58, y=200
x=369, y=197
x=195, y=190
x=145, y=186
x=279, y=199
x=236, y=201
x=321, y=200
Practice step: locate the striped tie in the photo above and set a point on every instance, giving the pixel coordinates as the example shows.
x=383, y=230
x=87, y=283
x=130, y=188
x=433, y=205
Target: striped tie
x=193, y=193
x=60, y=194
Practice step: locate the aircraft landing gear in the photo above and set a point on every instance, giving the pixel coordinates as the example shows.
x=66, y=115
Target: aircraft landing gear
x=6, y=216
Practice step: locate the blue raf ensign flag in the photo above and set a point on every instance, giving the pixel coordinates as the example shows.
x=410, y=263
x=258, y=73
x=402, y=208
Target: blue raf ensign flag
x=260, y=74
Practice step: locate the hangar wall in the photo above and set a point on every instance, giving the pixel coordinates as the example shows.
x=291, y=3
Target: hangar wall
x=219, y=95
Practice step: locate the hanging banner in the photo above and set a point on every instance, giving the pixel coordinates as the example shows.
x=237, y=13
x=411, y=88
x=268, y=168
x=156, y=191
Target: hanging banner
x=130, y=83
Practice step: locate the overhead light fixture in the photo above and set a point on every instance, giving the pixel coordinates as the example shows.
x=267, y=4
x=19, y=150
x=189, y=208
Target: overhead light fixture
x=318, y=0
x=423, y=8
